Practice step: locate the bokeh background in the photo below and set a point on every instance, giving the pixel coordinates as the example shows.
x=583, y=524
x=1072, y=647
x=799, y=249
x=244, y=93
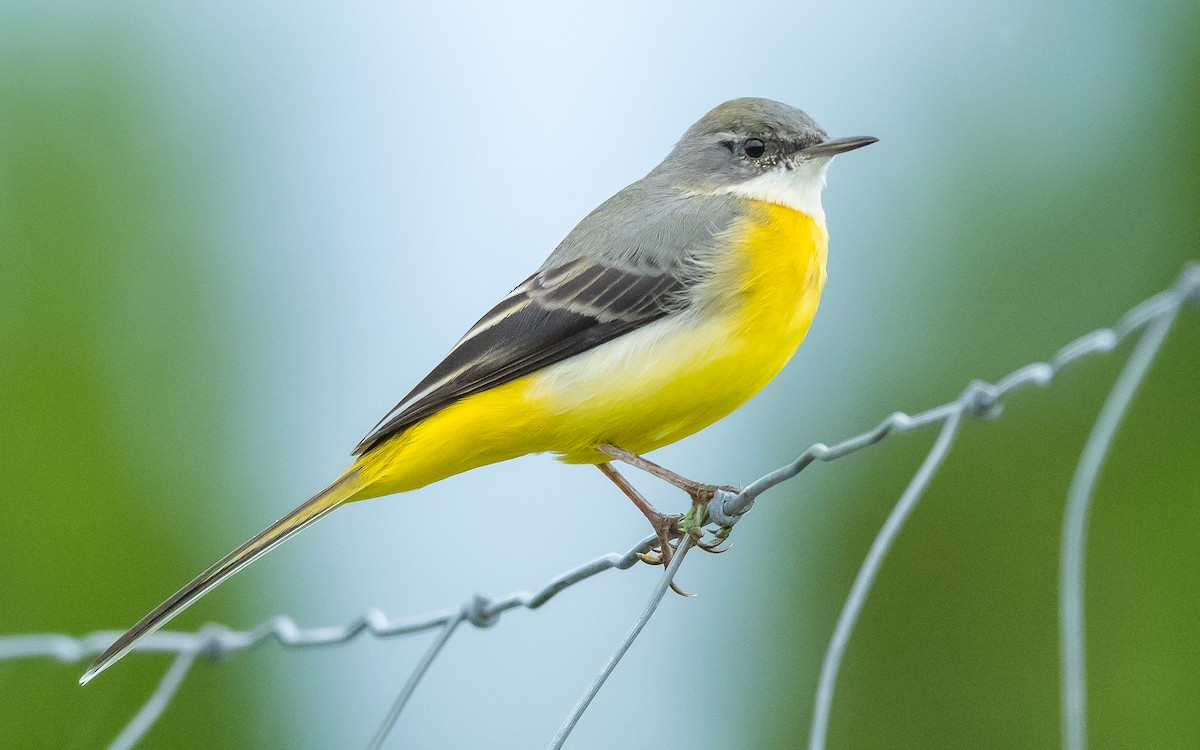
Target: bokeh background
x=232, y=235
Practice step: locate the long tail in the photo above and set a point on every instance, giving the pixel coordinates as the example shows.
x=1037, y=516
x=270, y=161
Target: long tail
x=321, y=503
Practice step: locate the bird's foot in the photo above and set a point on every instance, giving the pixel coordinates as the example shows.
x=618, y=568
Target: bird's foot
x=696, y=522
x=667, y=529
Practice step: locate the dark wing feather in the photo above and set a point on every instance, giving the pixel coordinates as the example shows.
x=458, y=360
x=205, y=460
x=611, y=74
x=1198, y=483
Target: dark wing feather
x=557, y=313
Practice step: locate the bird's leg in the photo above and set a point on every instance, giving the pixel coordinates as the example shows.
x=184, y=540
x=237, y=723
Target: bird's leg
x=687, y=485
x=665, y=526
x=700, y=493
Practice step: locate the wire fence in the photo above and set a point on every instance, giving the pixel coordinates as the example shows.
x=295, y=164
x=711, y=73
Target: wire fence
x=1152, y=319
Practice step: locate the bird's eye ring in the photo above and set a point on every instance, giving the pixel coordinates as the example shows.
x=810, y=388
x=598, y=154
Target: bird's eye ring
x=754, y=148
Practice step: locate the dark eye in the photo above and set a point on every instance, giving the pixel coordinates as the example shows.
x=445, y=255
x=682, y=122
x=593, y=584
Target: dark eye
x=754, y=148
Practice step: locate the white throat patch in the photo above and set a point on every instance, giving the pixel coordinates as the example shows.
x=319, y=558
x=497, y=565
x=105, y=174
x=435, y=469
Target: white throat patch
x=798, y=188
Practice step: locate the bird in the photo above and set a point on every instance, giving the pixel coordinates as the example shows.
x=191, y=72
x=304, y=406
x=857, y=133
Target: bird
x=661, y=312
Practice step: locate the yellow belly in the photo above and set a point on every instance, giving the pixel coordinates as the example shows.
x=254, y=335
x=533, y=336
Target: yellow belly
x=646, y=389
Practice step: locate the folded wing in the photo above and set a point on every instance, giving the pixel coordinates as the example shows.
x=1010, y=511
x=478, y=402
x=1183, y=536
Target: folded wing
x=556, y=313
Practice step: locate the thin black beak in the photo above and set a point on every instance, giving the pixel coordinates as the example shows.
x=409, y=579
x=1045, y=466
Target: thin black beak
x=836, y=146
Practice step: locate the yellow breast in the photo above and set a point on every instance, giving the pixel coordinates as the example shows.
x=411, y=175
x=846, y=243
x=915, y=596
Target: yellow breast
x=778, y=260
x=682, y=373
x=646, y=389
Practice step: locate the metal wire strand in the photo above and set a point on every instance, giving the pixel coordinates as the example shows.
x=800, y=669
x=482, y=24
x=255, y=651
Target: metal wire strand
x=153, y=708
x=656, y=598
x=869, y=571
x=1073, y=546
x=410, y=686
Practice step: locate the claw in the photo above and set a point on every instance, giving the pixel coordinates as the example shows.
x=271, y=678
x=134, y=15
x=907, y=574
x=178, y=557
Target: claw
x=680, y=591
x=667, y=529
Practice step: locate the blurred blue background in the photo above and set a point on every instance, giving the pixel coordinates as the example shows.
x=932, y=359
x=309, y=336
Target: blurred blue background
x=232, y=236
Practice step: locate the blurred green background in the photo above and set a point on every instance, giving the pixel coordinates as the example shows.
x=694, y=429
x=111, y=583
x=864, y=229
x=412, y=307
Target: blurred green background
x=231, y=237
